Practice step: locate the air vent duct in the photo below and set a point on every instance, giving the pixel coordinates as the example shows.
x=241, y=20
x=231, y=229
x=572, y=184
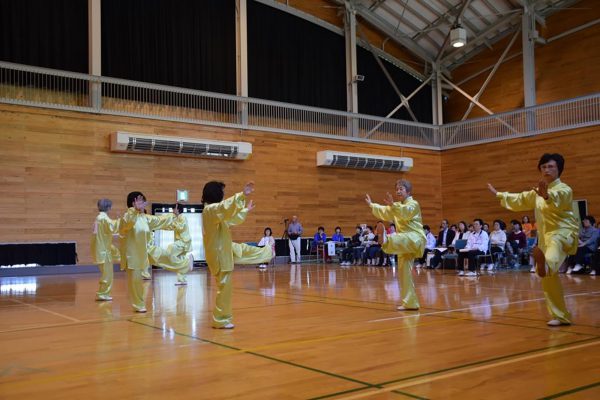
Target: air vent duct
x=338, y=159
x=126, y=142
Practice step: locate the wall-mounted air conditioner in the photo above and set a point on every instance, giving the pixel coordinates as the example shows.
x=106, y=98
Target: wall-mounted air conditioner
x=329, y=158
x=177, y=146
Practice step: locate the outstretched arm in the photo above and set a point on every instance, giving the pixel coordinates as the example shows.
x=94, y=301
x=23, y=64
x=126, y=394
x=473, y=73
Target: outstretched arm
x=515, y=201
x=229, y=208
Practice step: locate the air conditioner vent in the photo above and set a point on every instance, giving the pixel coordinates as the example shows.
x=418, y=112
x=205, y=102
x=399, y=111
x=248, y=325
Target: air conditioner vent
x=166, y=145
x=329, y=158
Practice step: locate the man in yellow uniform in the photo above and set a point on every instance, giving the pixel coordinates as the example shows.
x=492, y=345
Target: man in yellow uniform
x=221, y=253
x=557, y=226
x=138, y=249
x=103, y=251
x=409, y=240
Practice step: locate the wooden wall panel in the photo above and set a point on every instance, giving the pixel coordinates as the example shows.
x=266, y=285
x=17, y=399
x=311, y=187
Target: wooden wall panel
x=55, y=165
x=512, y=166
x=565, y=68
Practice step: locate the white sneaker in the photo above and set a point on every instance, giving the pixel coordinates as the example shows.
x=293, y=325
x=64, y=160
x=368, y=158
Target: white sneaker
x=228, y=326
x=570, y=270
x=262, y=266
x=490, y=267
x=419, y=265
x=461, y=273
x=471, y=273
x=556, y=322
x=483, y=266
x=532, y=270
x=593, y=272
x=577, y=268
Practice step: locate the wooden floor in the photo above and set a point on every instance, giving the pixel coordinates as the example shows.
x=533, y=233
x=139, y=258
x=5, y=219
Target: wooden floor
x=309, y=332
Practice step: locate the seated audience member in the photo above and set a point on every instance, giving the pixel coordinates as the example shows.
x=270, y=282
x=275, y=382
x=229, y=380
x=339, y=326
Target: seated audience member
x=443, y=241
x=373, y=252
x=355, y=242
x=429, y=246
x=454, y=228
x=477, y=244
x=339, y=241
x=319, y=241
x=391, y=229
x=486, y=228
x=588, y=243
x=498, y=242
x=517, y=243
x=595, y=264
x=391, y=258
x=462, y=233
x=367, y=239
x=382, y=258
x=527, y=226
x=470, y=230
x=267, y=240
x=337, y=236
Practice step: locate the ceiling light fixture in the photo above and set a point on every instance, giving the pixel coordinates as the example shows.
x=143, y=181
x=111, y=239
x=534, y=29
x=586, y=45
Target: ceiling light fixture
x=458, y=36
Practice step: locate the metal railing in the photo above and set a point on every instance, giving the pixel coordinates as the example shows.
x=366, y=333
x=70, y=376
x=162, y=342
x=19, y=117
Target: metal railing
x=33, y=86
x=42, y=87
x=550, y=117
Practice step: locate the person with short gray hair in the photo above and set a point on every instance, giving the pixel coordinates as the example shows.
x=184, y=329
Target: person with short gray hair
x=409, y=240
x=104, y=205
x=103, y=251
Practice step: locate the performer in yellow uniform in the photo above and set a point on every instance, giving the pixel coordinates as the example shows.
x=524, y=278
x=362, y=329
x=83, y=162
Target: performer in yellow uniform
x=221, y=254
x=103, y=251
x=409, y=240
x=557, y=226
x=177, y=256
x=138, y=249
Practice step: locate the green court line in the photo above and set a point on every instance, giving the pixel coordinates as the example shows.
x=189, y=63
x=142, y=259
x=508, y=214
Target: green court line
x=326, y=396
x=66, y=324
x=486, y=361
x=409, y=395
x=571, y=391
x=545, y=328
x=366, y=384
x=508, y=356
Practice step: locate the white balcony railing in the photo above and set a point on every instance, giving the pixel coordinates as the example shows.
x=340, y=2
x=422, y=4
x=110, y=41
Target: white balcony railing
x=42, y=87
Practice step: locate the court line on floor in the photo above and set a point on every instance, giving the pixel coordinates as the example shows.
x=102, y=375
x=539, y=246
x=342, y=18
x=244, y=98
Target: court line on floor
x=437, y=314
x=477, y=307
x=235, y=351
x=366, y=385
x=469, y=368
x=46, y=310
x=238, y=350
x=570, y=391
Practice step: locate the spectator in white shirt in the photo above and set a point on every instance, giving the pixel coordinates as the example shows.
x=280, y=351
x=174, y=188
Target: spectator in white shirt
x=267, y=240
x=429, y=245
x=477, y=244
x=498, y=241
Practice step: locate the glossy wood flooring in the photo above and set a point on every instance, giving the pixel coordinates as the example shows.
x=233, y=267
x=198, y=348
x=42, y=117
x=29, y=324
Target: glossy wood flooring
x=302, y=332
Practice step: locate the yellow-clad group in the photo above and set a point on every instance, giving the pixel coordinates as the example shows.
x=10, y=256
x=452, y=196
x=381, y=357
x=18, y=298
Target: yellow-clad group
x=551, y=200
x=137, y=251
